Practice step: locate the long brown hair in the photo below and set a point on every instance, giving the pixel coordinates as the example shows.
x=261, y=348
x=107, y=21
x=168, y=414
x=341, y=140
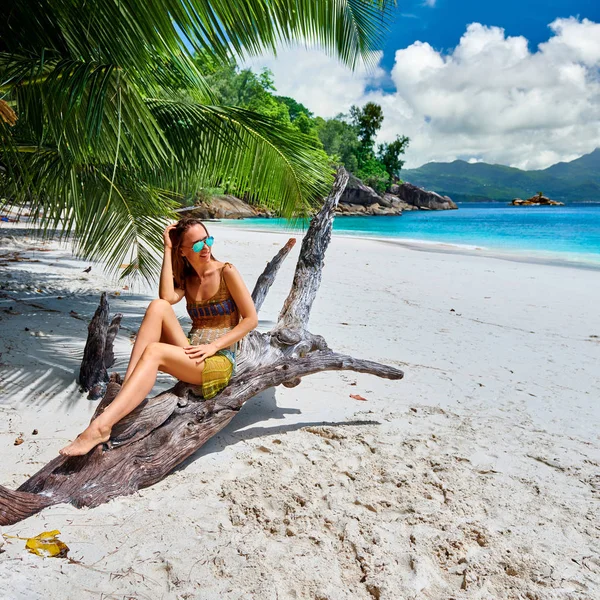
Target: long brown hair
x=181, y=266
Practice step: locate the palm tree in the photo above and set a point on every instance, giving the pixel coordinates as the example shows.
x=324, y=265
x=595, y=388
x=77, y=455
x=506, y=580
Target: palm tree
x=105, y=120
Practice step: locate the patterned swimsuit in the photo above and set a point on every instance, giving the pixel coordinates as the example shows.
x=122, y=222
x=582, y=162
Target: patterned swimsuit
x=212, y=319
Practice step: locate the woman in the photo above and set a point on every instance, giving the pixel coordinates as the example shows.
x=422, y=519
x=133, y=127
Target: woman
x=222, y=313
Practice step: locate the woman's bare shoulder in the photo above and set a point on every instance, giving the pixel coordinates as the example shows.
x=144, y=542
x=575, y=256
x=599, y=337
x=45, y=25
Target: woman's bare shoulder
x=229, y=270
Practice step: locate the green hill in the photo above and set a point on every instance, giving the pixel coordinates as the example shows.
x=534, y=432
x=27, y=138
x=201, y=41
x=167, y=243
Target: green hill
x=578, y=180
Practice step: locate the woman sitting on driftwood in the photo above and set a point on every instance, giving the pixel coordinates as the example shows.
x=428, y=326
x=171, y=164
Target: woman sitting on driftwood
x=222, y=313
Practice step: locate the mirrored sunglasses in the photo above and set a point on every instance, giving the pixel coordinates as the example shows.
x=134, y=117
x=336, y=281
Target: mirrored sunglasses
x=209, y=241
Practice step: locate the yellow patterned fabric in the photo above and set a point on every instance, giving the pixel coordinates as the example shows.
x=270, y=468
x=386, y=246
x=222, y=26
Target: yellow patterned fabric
x=216, y=374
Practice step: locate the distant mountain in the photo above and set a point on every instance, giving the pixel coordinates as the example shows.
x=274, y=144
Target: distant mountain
x=578, y=180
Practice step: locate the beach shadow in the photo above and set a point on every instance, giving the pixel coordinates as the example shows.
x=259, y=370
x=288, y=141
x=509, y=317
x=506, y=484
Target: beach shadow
x=260, y=408
x=50, y=365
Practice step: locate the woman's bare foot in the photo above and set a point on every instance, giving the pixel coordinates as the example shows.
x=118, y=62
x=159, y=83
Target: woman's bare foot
x=87, y=440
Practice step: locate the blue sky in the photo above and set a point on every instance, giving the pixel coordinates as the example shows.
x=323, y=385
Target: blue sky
x=443, y=23
x=511, y=82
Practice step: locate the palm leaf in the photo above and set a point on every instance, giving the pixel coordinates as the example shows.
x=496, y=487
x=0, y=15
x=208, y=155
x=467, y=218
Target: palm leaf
x=133, y=32
x=260, y=158
x=115, y=119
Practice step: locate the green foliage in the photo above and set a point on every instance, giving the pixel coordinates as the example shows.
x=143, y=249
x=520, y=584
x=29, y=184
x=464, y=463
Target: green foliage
x=117, y=119
x=255, y=92
x=389, y=155
x=340, y=141
x=367, y=121
x=295, y=109
x=349, y=140
x=373, y=173
x=204, y=196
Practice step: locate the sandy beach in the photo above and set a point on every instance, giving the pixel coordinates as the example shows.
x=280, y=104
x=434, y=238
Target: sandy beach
x=477, y=476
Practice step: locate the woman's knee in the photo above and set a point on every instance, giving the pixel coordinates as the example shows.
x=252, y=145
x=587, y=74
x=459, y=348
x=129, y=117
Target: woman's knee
x=153, y=351
x=158, y=306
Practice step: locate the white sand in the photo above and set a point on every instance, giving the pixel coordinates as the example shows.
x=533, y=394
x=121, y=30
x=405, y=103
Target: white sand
x=477, y=476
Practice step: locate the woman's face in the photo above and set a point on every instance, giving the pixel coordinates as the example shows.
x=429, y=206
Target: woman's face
x=192, y=235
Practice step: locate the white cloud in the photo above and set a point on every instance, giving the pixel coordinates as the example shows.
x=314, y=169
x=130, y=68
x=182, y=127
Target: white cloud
x=489, y=99
x=319, y=81
x=429, y=3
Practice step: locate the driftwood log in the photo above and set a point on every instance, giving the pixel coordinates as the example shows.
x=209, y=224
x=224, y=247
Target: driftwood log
x=163, y=431
x=98, y=355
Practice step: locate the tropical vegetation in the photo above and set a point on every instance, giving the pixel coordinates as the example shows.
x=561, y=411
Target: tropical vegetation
x=347, y=139
x=108, y=118
x=578, y=180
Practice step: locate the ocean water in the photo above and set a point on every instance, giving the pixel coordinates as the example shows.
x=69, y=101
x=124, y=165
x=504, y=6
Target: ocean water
x=563, y=233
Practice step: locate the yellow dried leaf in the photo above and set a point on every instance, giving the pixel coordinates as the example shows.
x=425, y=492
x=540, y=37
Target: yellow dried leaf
x=7, y=114
x=47, y=545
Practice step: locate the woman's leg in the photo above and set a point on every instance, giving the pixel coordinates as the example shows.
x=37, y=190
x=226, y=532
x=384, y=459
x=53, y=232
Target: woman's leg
x=160, y=324
x=156, y=357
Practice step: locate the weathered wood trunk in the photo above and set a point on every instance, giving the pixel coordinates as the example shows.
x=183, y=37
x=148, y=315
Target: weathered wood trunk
x=98, y=355
x=163, y=431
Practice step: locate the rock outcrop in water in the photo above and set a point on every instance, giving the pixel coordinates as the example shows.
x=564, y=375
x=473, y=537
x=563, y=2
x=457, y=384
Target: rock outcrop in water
x=360, y=199
x=422, y=199
x=537, y=200
x=359, y=194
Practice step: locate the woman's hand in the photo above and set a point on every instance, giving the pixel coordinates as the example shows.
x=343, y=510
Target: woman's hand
x=201, y=352
x=167, y=236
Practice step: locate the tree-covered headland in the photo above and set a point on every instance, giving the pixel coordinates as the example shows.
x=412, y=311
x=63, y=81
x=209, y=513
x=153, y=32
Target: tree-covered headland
x=346, y=139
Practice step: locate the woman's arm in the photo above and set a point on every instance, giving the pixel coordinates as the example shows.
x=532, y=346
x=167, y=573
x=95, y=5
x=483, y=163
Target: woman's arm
x=166, y=288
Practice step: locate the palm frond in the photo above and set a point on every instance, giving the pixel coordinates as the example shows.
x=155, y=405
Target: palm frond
x=133, y=32
x=109, y=215
x=114, y=118
x=260, y=158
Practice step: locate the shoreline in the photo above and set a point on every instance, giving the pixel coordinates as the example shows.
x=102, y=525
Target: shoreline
x=583, y=260
x=521, y=256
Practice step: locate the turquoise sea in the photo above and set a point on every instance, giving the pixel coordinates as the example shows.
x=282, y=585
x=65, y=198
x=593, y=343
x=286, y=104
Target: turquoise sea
x=568, y=234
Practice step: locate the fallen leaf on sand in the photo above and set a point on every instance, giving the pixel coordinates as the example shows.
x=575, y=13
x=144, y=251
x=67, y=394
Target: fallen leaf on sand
x=47, y=544
x=19, y=441
x=358, y=397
